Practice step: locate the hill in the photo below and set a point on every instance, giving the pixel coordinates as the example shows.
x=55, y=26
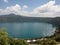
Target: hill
x=19, y=19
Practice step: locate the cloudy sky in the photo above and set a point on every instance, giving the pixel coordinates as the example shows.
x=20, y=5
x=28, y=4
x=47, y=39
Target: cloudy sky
x=33, y=8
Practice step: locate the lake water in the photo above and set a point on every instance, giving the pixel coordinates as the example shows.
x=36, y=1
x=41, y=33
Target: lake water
x=28, y=30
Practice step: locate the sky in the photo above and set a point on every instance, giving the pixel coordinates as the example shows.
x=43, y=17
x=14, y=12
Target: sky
x=31, y=8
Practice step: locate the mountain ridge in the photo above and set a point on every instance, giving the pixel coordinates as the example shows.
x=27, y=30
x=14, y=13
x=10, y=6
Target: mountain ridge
x=18, y=18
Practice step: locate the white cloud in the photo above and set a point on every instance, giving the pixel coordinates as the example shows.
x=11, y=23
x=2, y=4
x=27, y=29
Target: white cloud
x=24, y=7
x=16, y=9
x=5, y=0
x=49, y=9
x=11, y=9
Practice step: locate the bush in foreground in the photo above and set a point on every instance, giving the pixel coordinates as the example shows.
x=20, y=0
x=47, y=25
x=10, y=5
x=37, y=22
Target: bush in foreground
x=6, y=40
x=46, y=42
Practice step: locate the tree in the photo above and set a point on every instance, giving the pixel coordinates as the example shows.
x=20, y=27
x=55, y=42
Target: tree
x=47, y=42
x=6, y=40
x=3, y=37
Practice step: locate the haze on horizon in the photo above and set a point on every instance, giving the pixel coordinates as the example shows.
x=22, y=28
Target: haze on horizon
x=31, y=8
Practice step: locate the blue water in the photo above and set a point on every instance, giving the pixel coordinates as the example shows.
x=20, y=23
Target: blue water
x=28, y=30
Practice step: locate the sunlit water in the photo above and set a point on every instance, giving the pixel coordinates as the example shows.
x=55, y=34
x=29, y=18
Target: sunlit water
x=28, y=30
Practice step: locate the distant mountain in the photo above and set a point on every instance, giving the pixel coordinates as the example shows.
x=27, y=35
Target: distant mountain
x=18, y=18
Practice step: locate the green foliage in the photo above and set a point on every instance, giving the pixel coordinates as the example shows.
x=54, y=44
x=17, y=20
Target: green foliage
x=20, y=42
x=3, y=37
x=46, y=42
x=13, y=41
x=6, y=40
x=57, y=37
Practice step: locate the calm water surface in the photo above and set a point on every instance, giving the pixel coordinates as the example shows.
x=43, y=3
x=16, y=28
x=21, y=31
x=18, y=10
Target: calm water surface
x=28, y=30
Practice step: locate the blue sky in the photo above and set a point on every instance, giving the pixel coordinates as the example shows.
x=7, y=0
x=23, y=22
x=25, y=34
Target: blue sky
x=31, y=3
x=29, y=6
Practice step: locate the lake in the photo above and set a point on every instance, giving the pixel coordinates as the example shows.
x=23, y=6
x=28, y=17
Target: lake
x=28, y=30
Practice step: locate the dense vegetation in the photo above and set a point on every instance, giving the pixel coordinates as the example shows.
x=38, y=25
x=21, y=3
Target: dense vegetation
x=56, y=36
x=46, y=42
x=6, y=40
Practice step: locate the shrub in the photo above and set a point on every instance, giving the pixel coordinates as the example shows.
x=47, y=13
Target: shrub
x=6, y=40
x=47, y=42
